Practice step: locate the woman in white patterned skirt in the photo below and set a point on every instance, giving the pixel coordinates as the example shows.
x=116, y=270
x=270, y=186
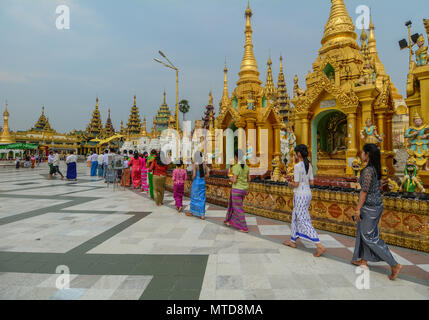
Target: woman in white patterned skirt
x=302, y=226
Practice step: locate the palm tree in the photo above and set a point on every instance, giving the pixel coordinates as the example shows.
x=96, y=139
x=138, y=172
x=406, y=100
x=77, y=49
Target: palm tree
x=184, y=107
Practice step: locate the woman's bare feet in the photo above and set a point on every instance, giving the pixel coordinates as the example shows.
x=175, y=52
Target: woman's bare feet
x=189, y=214
x=203, y=218
x=227, y=224
x=395, y=271
x=360, y=263
x=320, y=250
x=243, y=231
x=290, y=244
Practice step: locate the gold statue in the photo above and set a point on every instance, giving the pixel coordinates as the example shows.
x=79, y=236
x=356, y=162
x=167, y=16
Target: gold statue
x=422, y=57
x=297, y=91
x=418, y=141
x=369, y=134
x=278, y=167
x=357, y=166
x=393, y=186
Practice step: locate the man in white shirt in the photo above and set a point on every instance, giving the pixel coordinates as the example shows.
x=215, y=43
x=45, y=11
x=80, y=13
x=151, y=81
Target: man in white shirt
x=104, y=163
x=55, y=165
x=94, y=164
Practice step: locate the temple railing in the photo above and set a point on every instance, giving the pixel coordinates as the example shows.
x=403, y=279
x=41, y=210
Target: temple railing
x=404, y=223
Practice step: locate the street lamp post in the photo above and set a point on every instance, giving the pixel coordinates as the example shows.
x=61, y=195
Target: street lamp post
x=171, y=66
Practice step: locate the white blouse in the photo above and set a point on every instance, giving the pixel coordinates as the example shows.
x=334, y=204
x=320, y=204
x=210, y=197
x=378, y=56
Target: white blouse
x=302, y=177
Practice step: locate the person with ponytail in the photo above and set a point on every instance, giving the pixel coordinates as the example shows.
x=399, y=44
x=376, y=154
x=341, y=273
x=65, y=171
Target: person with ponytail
x=200, y=171
x=369, y=246
x=240, y=183
x=301, y=226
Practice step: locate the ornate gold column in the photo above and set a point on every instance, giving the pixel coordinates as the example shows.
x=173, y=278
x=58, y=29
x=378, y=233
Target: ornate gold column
x=259, y=126
x=366, y=95
x=352, y=140
x=277, y=140
x=304, y=130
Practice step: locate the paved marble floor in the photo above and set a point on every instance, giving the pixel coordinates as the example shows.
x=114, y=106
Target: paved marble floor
x=116, y=244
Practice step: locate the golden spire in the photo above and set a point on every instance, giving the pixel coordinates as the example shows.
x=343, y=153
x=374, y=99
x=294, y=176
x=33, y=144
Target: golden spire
x=144, y=132
x=339, y=30
x=225, y=96
x=5, y=136
x=269, y=83
x=210, y=98
x=135, y=102
x=96, y=103
x=164, y=103
x=249, y=68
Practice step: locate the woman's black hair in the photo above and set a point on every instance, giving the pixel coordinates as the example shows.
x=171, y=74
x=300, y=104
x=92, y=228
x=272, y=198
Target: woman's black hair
x=302, y=149
x=239, y=155
x=136, y=155
x=153, y=151
x=374, y=157
x=145, y=154
x=158, y=158
x=198, y=158
x=179, y=164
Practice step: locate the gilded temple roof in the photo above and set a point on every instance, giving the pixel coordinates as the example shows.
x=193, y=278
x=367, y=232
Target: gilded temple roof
x=134, y=122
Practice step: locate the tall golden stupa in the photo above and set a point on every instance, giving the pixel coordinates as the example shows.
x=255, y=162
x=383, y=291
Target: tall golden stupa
x=349, y=99
x=252, y=112
x=5, y=136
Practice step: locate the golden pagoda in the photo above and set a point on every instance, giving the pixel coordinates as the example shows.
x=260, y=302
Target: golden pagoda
x=270, y=89
x=282, y=99
x=42, y=123
x=95, y=127
x=144, y=131
x=340, y=104
x=5, y=136
x=108, y=128
x=134, y=122
x=163, y=117
x=251, y=112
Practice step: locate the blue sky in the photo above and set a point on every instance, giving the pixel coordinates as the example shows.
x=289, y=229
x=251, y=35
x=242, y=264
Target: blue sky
x=110, y=47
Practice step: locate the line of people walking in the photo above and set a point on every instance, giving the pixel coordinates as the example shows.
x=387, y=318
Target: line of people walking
x=148, y=173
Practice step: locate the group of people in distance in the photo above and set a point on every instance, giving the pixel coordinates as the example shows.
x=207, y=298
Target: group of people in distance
x=30, y=160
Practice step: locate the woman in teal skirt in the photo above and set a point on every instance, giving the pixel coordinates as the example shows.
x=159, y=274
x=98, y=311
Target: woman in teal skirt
x=198, y=190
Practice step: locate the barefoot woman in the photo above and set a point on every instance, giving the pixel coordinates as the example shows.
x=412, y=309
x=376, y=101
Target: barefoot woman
x=302, y=226
x=369, y=247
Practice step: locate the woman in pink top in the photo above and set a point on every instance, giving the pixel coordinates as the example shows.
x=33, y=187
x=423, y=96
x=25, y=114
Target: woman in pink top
x=145, y=186
x=179, y=177
x=136, y=164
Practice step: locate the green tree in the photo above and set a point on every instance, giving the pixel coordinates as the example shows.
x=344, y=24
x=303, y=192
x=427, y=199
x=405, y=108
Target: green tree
x=184, y=107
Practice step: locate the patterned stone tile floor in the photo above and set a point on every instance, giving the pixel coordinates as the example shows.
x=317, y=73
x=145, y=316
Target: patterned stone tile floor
x=118, y=245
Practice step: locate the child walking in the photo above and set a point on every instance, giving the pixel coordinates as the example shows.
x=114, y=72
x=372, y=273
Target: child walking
x=179, y=178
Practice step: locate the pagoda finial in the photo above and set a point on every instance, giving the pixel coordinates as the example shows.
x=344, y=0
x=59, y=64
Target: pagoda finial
x=96, y=102
x=269, y=83
x=225, y=96
x=164, y=103
x=135, y=98
x=249, y=68
x=210, y=98
x=339, y=28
